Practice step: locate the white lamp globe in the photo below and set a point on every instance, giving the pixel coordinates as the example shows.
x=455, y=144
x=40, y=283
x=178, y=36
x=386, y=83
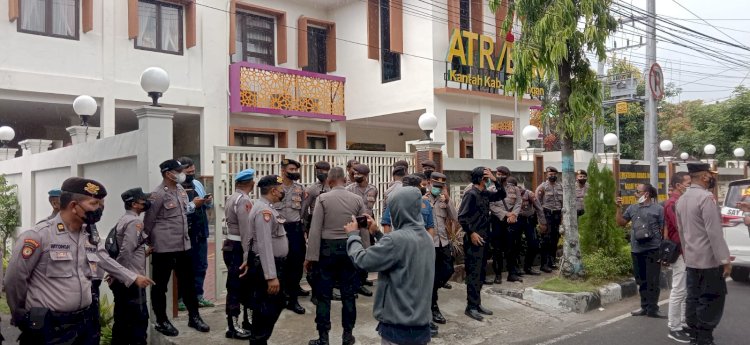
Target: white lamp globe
x=684, y=156
x=155, y=79
x=530, y=132
x=7, y=133
x=739, y=152
x=666, y=145
x=709, y=149
x=84, y=105
x=610, y=139
x=427, y=122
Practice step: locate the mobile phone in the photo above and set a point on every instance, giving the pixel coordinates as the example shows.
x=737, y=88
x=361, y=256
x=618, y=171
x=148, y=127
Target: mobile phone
x=208, y=196
x=362, y=221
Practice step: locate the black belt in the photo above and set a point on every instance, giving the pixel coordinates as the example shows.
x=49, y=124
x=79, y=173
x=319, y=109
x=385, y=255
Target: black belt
x=77, y=316
x=546, y=210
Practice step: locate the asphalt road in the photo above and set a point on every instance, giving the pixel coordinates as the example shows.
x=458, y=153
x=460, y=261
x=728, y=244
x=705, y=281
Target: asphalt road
x=628, y=330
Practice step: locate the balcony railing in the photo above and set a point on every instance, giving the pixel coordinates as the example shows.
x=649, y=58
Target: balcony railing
x=257, y=88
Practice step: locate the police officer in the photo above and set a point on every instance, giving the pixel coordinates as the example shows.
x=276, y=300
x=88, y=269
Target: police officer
x=369, y=195
x=327, y=248
x=474, y=217
x=443, y=211
x=550, y=195
x=350, y=171
x=290, y=208
x=48, y=281
x=131, y=310
x=706, y=254
x=270, y=246
x=397, y=175
x=314, y=190
x=54, y=201
x=505, y=235
x=428, y=167
x=529, y=216
x=166, y=225
x=581, y=188
x=235, y=250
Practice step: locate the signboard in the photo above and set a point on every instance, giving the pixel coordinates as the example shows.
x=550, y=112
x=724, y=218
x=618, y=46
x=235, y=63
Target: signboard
x=631, y=175
x=470, y=61
x=656, y=81
x=622, y=85
x=621, y=108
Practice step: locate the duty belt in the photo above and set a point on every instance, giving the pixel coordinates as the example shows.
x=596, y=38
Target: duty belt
x=234, y=237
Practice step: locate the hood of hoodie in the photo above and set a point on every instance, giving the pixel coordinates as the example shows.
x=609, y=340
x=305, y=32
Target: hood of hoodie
x=406, y=209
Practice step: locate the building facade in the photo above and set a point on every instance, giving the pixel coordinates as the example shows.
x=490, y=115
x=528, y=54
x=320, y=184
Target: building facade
x=326, y=74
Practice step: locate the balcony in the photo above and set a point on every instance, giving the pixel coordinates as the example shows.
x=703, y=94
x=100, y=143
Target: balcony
x=271, y=90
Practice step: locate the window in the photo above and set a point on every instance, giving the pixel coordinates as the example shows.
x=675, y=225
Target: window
x=56, y=18
x=391, y=68
x=159, y=27
x=316, y=50
x=254, y=139
x=465, y=25
x=255, y=39
x=318, y=143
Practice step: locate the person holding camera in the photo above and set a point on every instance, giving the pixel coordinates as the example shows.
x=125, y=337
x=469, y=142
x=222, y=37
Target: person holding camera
x=327, y=251
x=647, y=221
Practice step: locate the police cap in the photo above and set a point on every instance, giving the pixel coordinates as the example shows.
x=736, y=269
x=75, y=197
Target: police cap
x=134, y=194
x=54, y=193
x=322, y=165
x=287, y=161
x=401, y=163
x=171, y=164
x=698, y=167
x=362, y=169
x=270, y=181
x=551, y=169
x=438, y=179
x=245, y=175
x=78, y=185
x=429, y=163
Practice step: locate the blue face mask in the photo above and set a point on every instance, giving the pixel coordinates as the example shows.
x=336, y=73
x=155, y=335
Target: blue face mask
x=488, y=184
x=436, y=191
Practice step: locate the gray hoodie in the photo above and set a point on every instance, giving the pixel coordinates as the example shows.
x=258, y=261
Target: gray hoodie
x=405, y=260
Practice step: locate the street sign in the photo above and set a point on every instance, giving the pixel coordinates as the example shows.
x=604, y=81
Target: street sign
x=656, y=81
x=621, y=108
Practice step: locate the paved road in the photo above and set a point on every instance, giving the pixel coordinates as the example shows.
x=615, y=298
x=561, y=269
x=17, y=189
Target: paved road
x=627, y=330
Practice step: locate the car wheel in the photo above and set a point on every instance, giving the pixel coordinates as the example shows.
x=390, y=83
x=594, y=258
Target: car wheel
x=740, y=274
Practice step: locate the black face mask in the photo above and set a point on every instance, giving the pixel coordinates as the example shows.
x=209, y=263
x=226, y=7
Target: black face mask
x=711, y=183
x=189, y=179
x=359, y=179
x=146, y=205
x=582, y=181
x=93, y=217
x=423, y=190
x=428, y=173
x=293, y=176
x=322, y=177
x=552, y=178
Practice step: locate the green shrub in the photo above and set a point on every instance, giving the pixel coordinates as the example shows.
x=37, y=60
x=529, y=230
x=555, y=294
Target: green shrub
x=106, y=318
x=598, y=228
x=602, y=266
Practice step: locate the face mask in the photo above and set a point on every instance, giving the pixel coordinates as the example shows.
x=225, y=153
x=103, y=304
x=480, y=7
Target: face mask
x=179, y=177
x=436, y=191
x=359, y=179
x=322, y=177
x=146, y=205
x=711, y=183
x=428, y=173
x=552, y=178
x=189, y=178
x=293, y=176
x=488, y=184
x=642, y=199
x=582, y=181
x=423, y=190
x=92, y=217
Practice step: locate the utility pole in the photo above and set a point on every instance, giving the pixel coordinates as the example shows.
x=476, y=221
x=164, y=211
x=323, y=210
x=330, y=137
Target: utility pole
x=598, y=144
x=650, y=152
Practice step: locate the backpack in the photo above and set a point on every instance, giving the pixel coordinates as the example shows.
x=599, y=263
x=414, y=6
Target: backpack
x=111, y=244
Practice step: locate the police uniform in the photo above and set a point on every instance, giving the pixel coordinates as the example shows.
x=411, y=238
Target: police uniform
x=166, y=225
x=443, y=211
x=131, y=310
x=581, y=193
x=705, y=252
x=53, y=193
x=327, y=247
x=550, y=195
x=48, y=280
x=505, y=236
x=235, y=251
x=270, y=246
x=369, y=193
x=313, y=191
x=530, y=214
x=291, y=210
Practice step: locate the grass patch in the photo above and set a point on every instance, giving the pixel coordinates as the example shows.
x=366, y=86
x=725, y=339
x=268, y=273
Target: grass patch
x=4, y=309
x=558, y=284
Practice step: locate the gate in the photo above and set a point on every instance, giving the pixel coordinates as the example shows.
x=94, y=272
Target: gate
x=230, y=160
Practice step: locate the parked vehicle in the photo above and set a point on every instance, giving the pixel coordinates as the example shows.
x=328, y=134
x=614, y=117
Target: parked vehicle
x=736, y=232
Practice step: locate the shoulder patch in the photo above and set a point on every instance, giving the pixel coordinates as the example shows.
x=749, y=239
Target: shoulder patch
x=29, y=247
x=139, y=226
x=267, y=215
x=248, y=206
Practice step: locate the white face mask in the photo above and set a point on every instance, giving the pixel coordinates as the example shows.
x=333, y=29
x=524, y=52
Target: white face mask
x=179, y=177
x=642, y=199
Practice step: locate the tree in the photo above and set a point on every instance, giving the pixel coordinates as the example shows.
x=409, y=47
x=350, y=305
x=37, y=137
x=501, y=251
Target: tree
x=599, y=231
x=9, y=217
x=555, y=36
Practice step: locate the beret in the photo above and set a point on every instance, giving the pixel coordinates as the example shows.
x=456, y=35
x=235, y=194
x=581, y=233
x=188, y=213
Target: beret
x=244, y=175
x=270, y=181
x=401, y=163
x=698, y=167
x=362, y=169
x=550, y=169
x=287, y=161
x=322, y=165
x=581, y=172
x=429, y=163
x=438, y=179
x=87, y=187
x=54, y=192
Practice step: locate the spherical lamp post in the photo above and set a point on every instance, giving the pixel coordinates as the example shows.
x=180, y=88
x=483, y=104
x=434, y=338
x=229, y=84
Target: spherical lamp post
x=85, y=107
x=684, y=156
x=155, y=81
x=6, y=135
x=427, y=123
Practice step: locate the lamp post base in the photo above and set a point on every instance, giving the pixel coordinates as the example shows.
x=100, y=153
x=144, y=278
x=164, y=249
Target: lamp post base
x=82, y=134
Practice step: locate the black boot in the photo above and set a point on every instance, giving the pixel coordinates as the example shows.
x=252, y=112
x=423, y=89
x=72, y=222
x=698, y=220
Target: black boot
x=348, y=338
x=437, y=316
x=246, y=320
x=195, y=321
x=234, y=331
x=322, y=339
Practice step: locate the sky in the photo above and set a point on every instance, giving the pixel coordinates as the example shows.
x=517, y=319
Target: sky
x=698, y=74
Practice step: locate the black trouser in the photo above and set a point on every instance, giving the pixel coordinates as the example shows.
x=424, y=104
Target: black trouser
x=551, y=237
x=163, y=264
x=498, y=234
x=47, y=327
x=475, y=261
x=295, y=260
x=94, y=311
x=443, y=270
x=706, y=292
x=647, y=270
x=336, y=266
x=528, y=226
x=266, y=308
x=131, y=314
x=237, y=294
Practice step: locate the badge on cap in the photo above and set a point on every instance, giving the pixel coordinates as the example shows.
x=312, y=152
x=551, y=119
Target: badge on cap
x=91, y=188
x=279, y=179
